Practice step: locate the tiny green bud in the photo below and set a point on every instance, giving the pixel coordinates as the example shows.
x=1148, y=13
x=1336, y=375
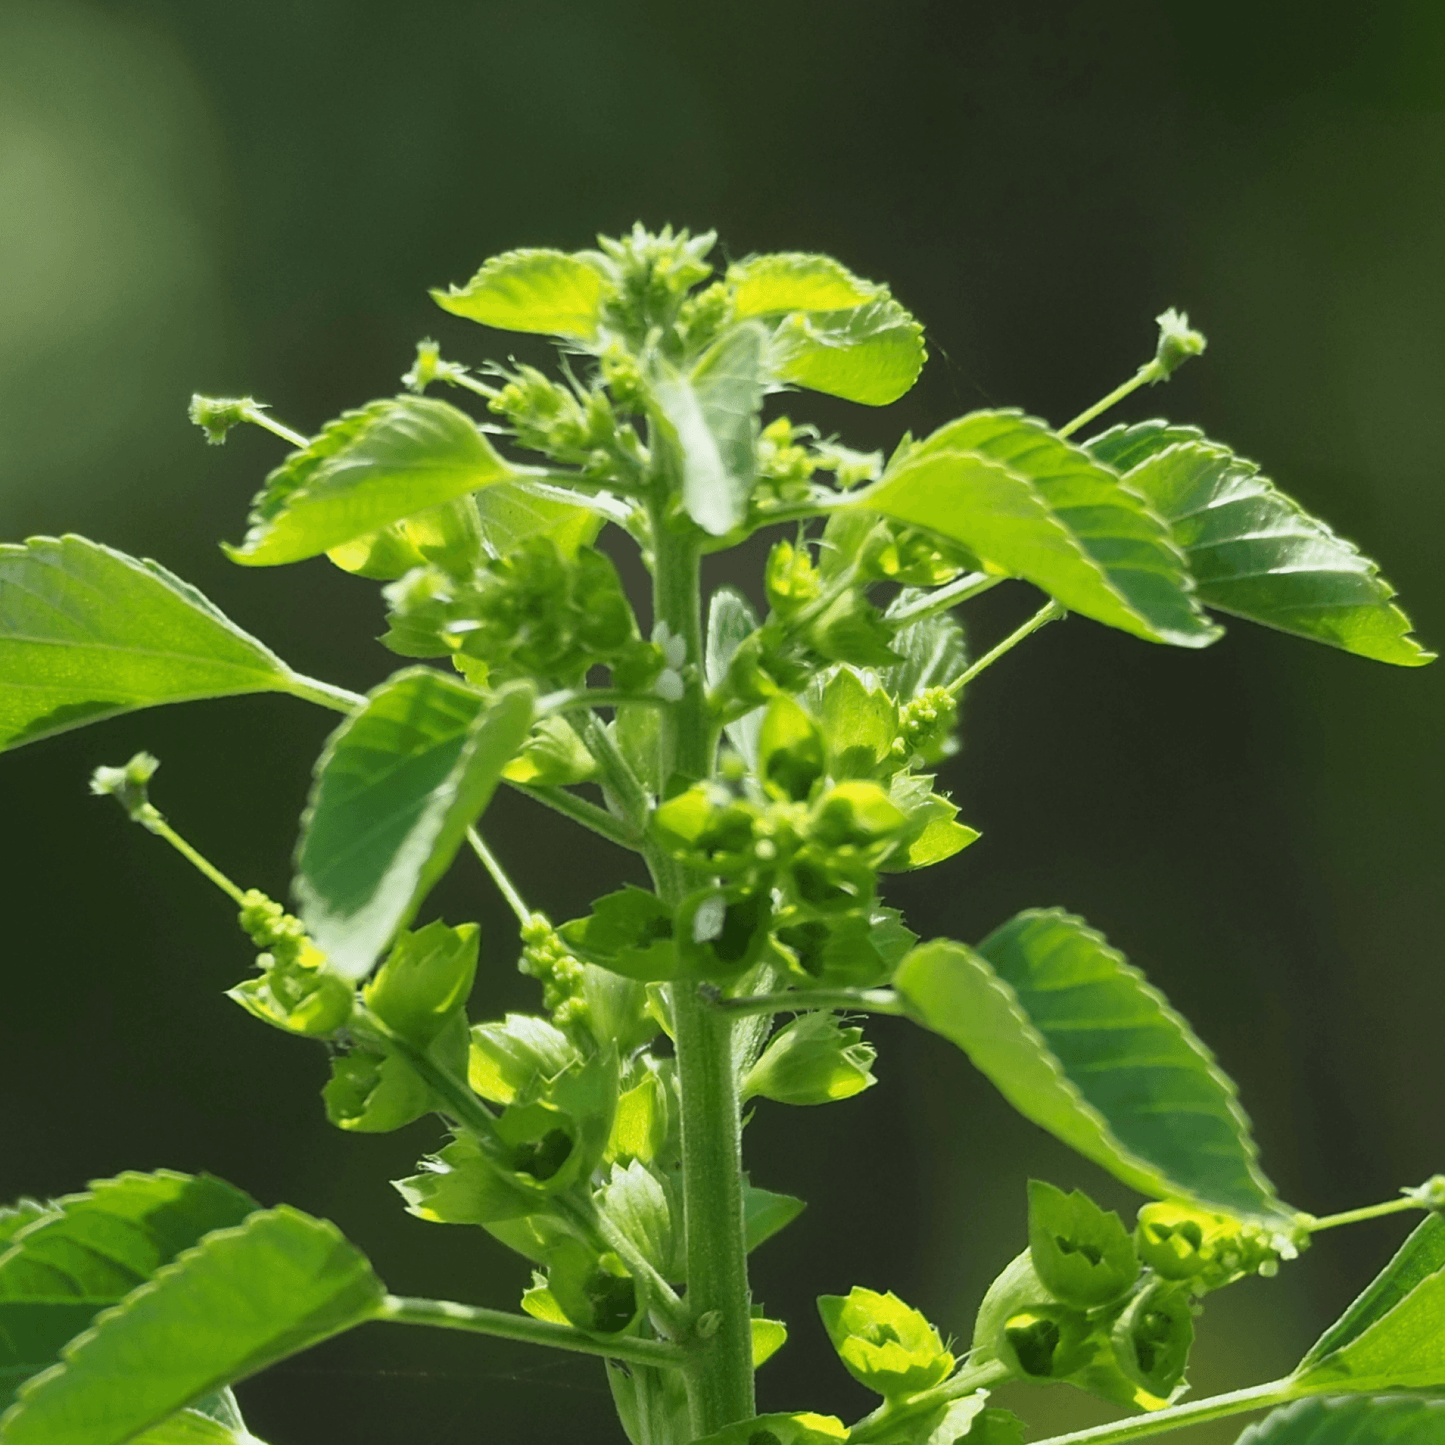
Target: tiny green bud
x=127, y=785
x=1081, y=1252
x=1177, y=343
x=813, y=1060
x=1430, y=1194
x=427, y=367
x=883, y=1343
x=216, y=415
x=1152, y=1339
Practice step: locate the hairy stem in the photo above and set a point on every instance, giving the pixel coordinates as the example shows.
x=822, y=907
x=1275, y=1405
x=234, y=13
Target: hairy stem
x=502, y=1324
x=338, y=699
x=1147, y=375
x=865, y=1000
x=942, y=598
x=579, y=810
x=1198, y=1412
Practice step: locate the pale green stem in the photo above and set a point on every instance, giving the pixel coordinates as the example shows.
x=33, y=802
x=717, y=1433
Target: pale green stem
x=1049, y=612
x=865, y=1000
x=150, y=819
x=617, y=775
x=941, y=598
x=579, y=810
x=338, y=699
x=505, y=886
x=256, y=415
x=1199, y=1412
x=888, y=1420
x=501, y=1324
x=1358, y=1216
x=1147, y=375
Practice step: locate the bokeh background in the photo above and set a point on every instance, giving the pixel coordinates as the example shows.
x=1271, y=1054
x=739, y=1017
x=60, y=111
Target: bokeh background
x=253, y=198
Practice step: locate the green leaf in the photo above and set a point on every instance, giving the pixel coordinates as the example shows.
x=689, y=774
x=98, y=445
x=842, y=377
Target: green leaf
x=511, y=512
x=425, y=981
x=365, y=470
x=870, y=354
x=1255, y=552
x=1081, y=1252
x=192, y=1427
x=769, y=1336
x=1079, y=1043
x=87, y=632
x=15, y=1217
x=239, y=1301
x=886, y=1345
x=396, y=789
x=731, y=619
x=1037, y=507
x=801, y=1428
x=933, y=653
x=765, y=1213
x=1393, y=1335
x=549, y=292
x=629, y=932
x=712, y=415
x=795, y=281
x=32, y=1335
x=374, y=1092
x=1400, y=1420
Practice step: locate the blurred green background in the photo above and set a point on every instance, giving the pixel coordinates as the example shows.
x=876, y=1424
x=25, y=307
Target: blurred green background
x=253, y=198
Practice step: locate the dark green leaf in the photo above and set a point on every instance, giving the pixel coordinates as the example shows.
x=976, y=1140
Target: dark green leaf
x=1255, y=552
x=1079, y=1043
x=712, y=415
x=795, y=281
x=1023, y=499
x=870, y=353
x=239, y=1301
x=510, y=512
x=14, y=1218
x=549, y=292
x=396, y=789
x=1399, y=1420
x=365, y=470
x=87, y=632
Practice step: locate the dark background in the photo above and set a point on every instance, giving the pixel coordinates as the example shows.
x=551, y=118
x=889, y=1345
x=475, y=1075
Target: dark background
x=253, y=198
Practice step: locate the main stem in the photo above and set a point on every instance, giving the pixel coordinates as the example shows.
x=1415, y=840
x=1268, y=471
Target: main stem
x=720, y=1385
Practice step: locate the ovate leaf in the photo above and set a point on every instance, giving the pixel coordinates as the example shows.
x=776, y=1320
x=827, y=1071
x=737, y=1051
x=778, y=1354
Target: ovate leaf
x=399, y=784
x=367, y=469
x=1255, y=552
x=795, y=281
x=1393, y=1335
x=549, y=292
x=1080, y=1044
x=1033, y=505
x=87, y=632
x=870, y=354
x=239, y=1301
x=712, y=415
x=765, y=1213
x=1400, y=1420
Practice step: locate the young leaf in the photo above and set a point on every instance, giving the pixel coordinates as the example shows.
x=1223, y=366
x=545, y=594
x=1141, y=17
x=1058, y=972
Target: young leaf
x=510, y=512
x=1255, y=552
x=795, y=281
x=32, y=1335
x=1080, y=1044
x=239, y=1301
x=1393, y=1335
x=730, y=619
x=765, y=1213
x=367, y=468
x=396, y=789
x=193, y=1427
x=1033, y=505
x=712, y=414
x=87, y=632
x=870, y=353
x=549, y=292
x=1401, y=1420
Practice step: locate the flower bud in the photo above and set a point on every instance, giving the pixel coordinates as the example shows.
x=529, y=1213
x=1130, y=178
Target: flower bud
x=884, y=1344
x=813, y=1060
x=1081, y=1253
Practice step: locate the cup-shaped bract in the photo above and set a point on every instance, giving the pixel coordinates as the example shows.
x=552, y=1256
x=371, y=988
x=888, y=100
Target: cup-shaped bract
x=886, y=1345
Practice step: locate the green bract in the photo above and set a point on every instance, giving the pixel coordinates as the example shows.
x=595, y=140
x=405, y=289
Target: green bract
x=767, y=772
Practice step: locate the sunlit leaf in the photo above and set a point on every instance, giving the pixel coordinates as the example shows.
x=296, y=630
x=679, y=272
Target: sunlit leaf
x=87, y=632
x=239, y=1301
x=765, y=1213
x=1037, y=507
x=1255, y=552
x=1397, y=1420
x=365, y=470
x=712, y=415
x=795, y=281
x=769, y=1336
x=399, y=784
x=549, y=292
x=730, y=619
x=870, y=353
x=1080, y=1044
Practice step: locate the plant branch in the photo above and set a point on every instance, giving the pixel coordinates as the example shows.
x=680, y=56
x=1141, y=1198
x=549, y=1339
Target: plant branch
x=1049, y=612
x=150, y=819
x=338, y=699
x=885, y=1421
x=1157, y=1422
x=971, y=584
x=502, y=1324
x=866, y=1000
x=1147, y=375
x=579, y=810
x=505, y=886
x=1359, y=1216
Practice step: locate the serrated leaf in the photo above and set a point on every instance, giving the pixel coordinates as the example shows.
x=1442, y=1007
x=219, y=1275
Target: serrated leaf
x=547, y=292
x=32, y=1335
x=511, y=512
x=1398, y=1420
x=239, y=1301
x=396, y=789
x=870, y=353
x=1255, y=552
x=933, y=652
x=87, y=632
x=365, y=470
x=712, y=414
x=15, y=1217
x=795, y=281
x=1037, y=507
x=1079, y=1043
x=215, y=1421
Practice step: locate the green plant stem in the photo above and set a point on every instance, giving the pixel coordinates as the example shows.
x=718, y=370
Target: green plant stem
x=589, y=1221
x=1199, y=1412
x=617, y=776
x=257, y=415
x=575, y=698
x=1359, y=1216
x=942, y=598
x=505, y=886
x=1049, y=612
x=579, y=810
x=502, y=1324
x=152, y=821
x=866, y=1000
x=720, y=1388
x=338, y=699
x=886, y=1421
x=1147, y=375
